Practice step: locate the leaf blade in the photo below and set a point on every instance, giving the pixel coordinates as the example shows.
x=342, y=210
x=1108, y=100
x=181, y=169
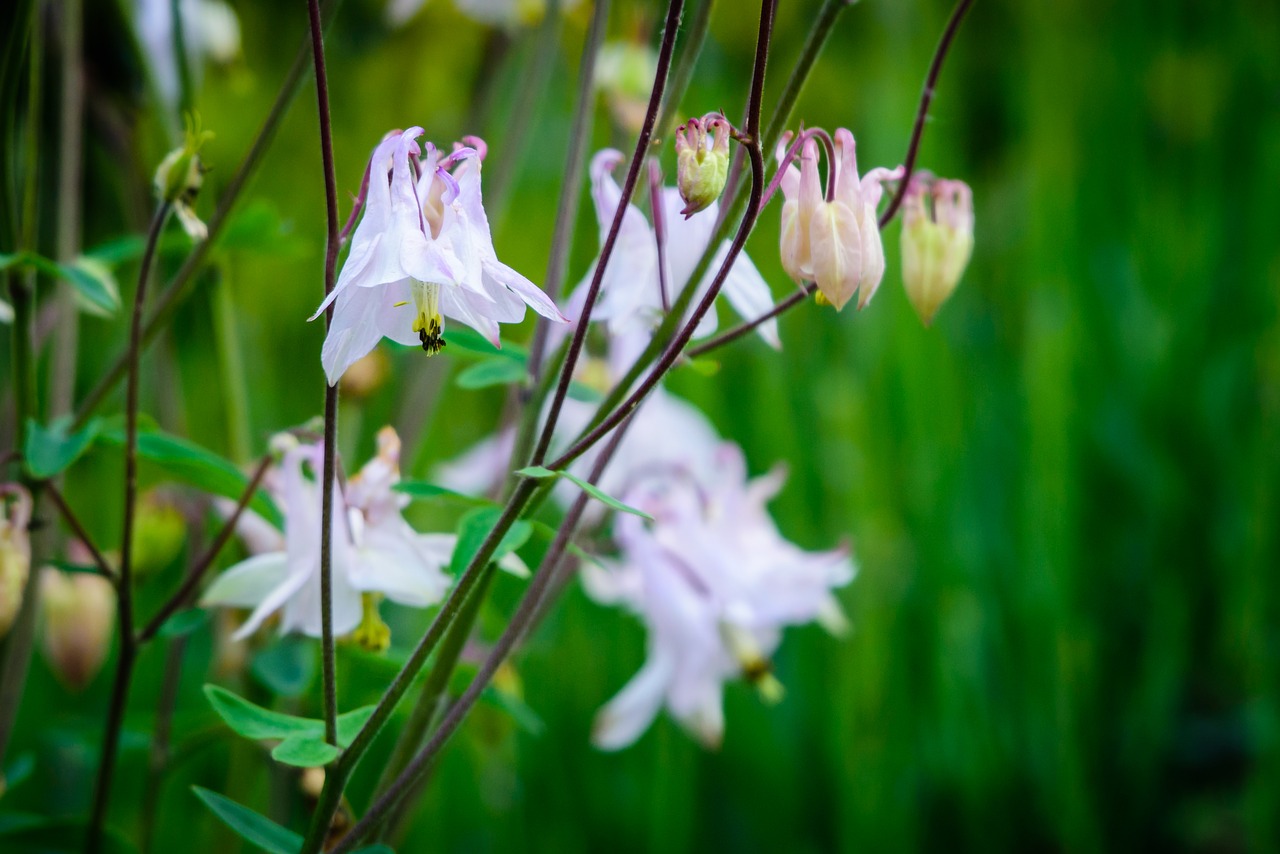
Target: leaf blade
x=251, y=826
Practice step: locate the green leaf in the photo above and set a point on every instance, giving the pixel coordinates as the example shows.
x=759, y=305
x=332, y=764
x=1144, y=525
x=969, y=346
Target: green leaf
x=496, y=370
x=37, y=834
x=252, y=721
x=584, y=393
x=524, y=716
x=475, y=526
x=50, y=450
x=375, y=849
x=97, y=290
x=18, y=771
x=184, y=623
x=424, y=491
x=705, y=367
x=118, y=250
x=199, y=467
x=541, y=473
x=287, y=667
x=305, y=751
x=253, y=828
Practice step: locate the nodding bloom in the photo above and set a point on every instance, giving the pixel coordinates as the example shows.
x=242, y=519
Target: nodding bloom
x=702, y=162
x=79, y=616
x=631, y=292
x=422, y=251
x=180, y=176
x=15, y=551
x=715, y=584
x=833, y=239
x=375, y=552
x=937, y=240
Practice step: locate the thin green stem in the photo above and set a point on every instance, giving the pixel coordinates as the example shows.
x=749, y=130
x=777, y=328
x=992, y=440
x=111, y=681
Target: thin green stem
x=124, y=589
x=62, y=367
x=330, y=391
x=73, y=522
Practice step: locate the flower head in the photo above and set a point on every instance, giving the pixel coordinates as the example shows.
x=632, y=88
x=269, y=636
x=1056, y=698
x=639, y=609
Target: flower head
x=702, y=162
x=79, y=615
x=375, y=551
x=937, y=240
x=715, y=584
x=833, y=239
x=15, y=551
x=422, y=251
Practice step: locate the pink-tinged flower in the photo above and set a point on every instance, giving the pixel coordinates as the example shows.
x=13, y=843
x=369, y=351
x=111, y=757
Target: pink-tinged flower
x=937, y=240
x=833, y=242
x=422, y=251
x=375, y=551
x=702, y=162
x=715, y=584
x=79, y=616
x=631, y=293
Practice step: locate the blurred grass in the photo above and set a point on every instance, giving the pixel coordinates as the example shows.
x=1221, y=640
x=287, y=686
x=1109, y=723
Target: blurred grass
x=1063, y=497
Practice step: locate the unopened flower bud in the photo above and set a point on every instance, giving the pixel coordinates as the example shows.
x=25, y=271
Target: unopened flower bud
x=702, y=162
x=937, y=240
x=15, y=551
x=180, y=176
x=158, y=534
x=79, y=614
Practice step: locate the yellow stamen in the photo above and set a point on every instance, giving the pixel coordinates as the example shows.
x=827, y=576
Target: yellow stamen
x=372, y=634
x=429, y=323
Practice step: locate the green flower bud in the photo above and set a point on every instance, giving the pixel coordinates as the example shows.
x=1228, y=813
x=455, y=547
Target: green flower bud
x=180, y=176
x=702, y=162
x=937, y=240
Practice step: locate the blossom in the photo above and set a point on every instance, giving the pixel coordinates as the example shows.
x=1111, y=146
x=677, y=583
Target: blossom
x=508, y=14
x=15, y=551
x=835, y=242
x=715, y=584
x=179, y=178
x=422, y=251
x=374, y=551
x=937, y=240
x=702, y=162
x=630, y=300
x=79, y=616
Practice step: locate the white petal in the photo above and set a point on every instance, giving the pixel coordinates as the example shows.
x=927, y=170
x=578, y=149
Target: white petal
x=249, y=582
x=629, y=714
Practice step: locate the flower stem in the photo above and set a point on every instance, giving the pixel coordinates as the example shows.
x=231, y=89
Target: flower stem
x=62, y=368
x=682, y=71
x=331, y=391
x=167, y=302
x=926, y=98
x=124, y=587
x=674, y=10
x=73, y=522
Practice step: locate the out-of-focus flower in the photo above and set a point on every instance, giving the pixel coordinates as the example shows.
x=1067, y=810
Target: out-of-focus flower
x=15, y=551
x=366, y=375
x=625, y=71
x=6, y=312
x=158, y=534
x=180, y=176
x=508, y=14
x=375, y=551
x=630, y=301
x=715, y=584
x=937, y=240
x=835, y=242
x=422, y=251
x=210, y=31
x=79, y=615
x=702, y=162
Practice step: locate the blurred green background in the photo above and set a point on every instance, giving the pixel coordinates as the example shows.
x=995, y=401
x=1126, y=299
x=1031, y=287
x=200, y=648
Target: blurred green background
x=1062, y=497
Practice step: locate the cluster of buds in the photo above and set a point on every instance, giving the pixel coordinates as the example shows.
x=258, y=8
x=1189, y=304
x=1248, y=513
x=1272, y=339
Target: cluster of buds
x=15, y=551
x=937, y=240
x=180, y=176
x=702, y=161
x=832, y=238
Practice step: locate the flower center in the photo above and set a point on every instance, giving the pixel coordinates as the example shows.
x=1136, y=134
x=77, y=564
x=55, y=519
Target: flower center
x=429, y=324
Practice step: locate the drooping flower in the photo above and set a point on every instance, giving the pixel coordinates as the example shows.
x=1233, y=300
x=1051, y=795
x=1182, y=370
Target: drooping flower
x=834, y=242
x=79, y=616
x=15, y=551
x=180, y=176
x=630, y=301
x=422, y=251
x=715, y=583
x=937, y=240
x=374, y=552
x=702, y=162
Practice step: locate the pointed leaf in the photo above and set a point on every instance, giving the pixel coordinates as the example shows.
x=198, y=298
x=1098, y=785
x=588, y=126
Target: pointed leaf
x=183, y=623
x=252, y=827
x=50, y=450
x=541, y=473
x=252, y=721
x=305, y=751
x=497, y=370
x=475, y=526
x=423, y=491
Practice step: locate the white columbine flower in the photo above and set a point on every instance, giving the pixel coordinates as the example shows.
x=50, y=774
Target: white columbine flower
x=715, y=584
x=422, y=251
x=375, y=551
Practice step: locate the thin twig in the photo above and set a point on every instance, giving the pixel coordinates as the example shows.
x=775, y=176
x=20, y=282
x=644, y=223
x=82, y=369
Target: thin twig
x=73, y=522
x=200, y=567
x=330, y=391
x=922, y=112
x=606, y=251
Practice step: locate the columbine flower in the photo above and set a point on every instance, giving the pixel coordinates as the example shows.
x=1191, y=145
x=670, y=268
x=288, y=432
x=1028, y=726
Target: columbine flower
x=631, y=293
x=834, y=242
x=79, y=616
x=937, y=240
x=422, y=251
x=702, y=162
x=15, y=551
x=715, y=584
x=374, y=552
